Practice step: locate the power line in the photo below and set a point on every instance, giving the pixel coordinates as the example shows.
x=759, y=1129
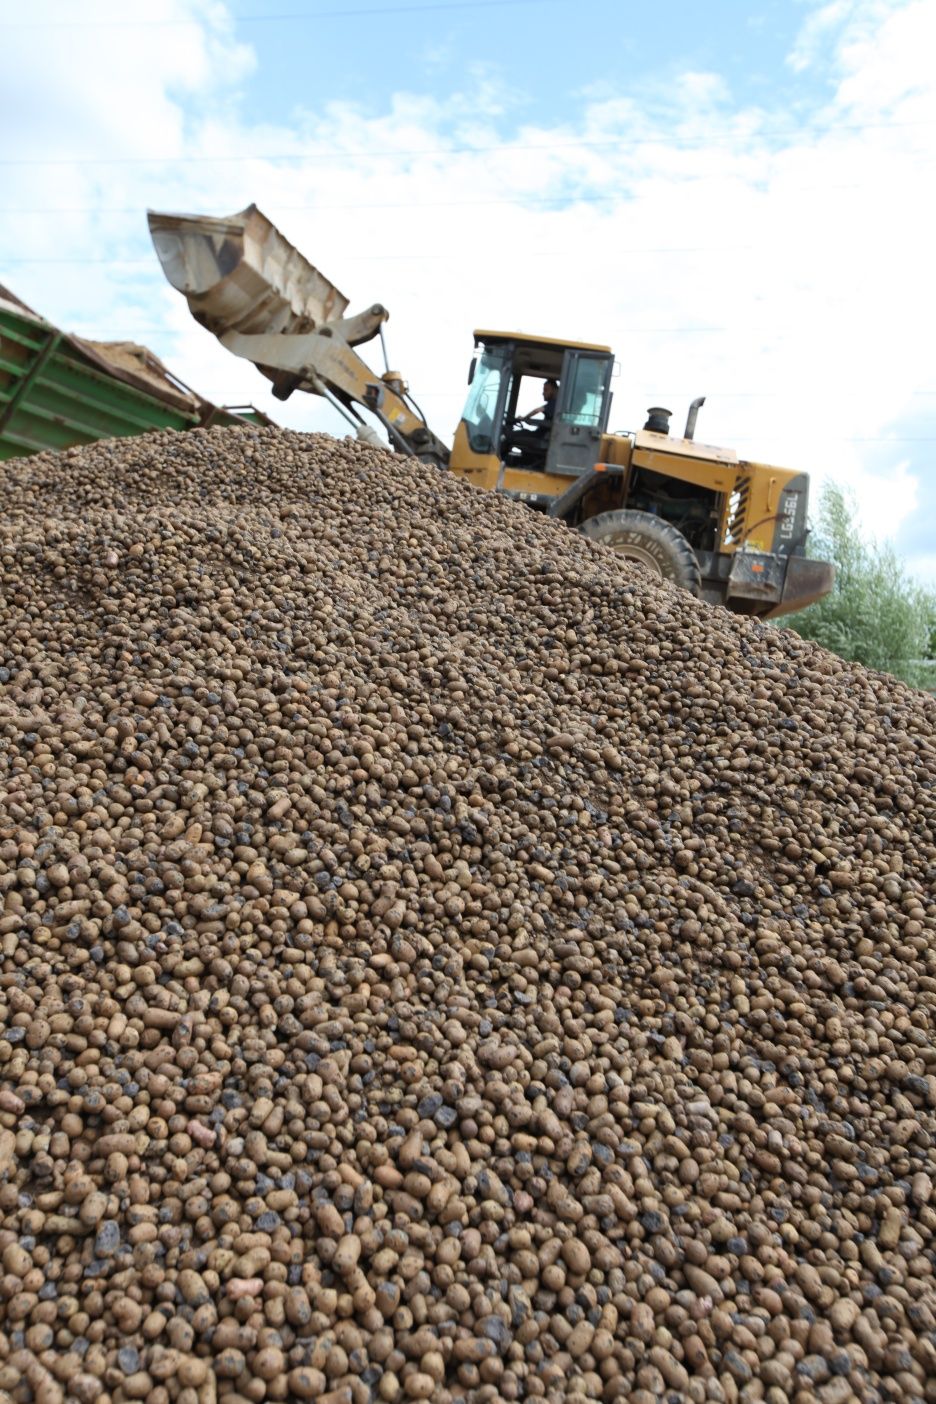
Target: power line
x=367, y=205
x=125, y=333
x=338, y=154
x=407, y=257
x=359, y=12
x=97, y=334
x=518, y=201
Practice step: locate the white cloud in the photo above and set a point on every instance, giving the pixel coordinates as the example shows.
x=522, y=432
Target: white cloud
x=885, y=502
x=817, y=30
x=782, y=267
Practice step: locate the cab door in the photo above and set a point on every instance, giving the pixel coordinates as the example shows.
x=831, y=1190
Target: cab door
x=581, y=414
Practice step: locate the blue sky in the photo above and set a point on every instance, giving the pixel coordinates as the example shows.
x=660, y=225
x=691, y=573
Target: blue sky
x=735, y=196
x=546, y=54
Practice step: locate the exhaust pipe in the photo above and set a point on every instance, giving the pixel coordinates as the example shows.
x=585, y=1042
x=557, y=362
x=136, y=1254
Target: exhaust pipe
x=693, y=416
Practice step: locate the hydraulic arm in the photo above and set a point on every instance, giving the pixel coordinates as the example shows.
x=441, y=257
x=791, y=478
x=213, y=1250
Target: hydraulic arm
x=249, y=286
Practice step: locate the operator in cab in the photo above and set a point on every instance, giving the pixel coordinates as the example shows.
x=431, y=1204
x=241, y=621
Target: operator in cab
x=527, y=447
x=547, y=409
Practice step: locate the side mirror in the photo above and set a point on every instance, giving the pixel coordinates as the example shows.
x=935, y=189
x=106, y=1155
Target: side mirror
x=472, y=368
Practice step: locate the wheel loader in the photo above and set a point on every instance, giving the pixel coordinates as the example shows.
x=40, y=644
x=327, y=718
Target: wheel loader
x=730, y=531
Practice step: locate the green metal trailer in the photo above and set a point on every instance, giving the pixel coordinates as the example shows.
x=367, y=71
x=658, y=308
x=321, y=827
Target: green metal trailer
x=57, y=390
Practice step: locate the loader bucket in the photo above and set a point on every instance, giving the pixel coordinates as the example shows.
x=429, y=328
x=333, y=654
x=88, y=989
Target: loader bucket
x=240, y=274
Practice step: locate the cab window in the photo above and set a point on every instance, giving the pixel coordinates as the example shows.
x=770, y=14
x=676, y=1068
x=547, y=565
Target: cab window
x=585, y=395
x=481, y=407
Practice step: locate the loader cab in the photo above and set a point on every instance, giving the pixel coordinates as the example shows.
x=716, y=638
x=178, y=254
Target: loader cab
x=506, y=381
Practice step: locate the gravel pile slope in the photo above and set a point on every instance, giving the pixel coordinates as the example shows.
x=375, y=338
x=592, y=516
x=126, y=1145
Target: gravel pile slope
x=437, y=962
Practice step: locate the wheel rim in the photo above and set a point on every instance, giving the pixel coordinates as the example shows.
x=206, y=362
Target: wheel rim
x=637, y=553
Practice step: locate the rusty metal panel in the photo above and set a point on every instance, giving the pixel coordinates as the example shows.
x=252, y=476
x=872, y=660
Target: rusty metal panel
x=756, y=576
x=806, y=581
x=241, y=274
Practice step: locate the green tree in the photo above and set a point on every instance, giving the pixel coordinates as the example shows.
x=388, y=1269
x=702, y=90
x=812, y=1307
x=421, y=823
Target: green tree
x=876, y=614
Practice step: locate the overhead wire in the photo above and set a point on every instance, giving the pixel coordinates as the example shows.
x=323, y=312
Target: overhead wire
x=389, y=153
x=405, y=258
x=516, y=201
x=345, y=12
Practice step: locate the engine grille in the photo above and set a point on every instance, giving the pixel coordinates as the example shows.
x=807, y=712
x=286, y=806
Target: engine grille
x=737, y=512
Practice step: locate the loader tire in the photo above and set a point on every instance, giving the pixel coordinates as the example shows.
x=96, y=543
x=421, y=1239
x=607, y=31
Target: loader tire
x=655, y=544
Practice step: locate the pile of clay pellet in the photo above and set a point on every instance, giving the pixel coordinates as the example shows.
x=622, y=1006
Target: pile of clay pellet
x=438, y=961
